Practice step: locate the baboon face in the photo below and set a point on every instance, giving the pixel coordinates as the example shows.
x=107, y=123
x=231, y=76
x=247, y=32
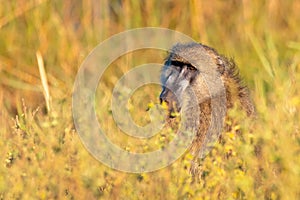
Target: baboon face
x=176, y=77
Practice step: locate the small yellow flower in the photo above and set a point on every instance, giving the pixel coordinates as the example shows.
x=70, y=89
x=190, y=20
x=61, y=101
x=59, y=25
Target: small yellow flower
x=127, y=149
x=164, y=105
x=146, y=147
x=237, y=127
x=235, y=195
x=150, y=105
x=231, y=135
x=228, y=148
x=233, y=153
x=174, y=114
x=162, y=138
x=221, y=171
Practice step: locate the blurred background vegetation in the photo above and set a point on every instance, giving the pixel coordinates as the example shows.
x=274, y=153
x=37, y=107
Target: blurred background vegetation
x=42, y=156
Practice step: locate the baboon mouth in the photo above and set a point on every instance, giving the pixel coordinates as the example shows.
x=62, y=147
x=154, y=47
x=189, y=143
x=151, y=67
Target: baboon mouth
x=173, y=113
x=173, y=110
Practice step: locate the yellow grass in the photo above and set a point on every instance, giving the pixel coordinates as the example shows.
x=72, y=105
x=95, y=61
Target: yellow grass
x=42, y=156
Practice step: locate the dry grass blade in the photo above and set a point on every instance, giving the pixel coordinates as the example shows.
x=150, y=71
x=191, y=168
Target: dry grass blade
x=44, y=80
x=18, y=12
x=266, y=64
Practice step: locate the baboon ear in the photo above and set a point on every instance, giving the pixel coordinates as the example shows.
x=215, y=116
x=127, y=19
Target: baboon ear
x=221, y=69
x=221, y=66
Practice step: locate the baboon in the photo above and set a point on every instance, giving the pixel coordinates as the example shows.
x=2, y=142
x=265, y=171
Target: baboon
x=182, y=71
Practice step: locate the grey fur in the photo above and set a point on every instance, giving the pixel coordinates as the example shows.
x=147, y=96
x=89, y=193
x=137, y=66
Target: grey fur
x=183, y=69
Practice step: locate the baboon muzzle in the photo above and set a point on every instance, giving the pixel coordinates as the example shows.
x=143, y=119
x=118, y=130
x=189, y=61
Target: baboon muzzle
x=170, y=99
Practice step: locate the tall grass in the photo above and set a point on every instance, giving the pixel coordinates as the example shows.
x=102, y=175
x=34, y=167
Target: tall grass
x=42, y=156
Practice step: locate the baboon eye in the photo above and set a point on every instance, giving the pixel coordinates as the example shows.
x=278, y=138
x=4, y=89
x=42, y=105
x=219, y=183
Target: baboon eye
x=177, y=63
x=191, y=67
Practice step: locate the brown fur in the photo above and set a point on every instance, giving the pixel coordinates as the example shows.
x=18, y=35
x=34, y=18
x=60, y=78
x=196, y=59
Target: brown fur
x=235, y=90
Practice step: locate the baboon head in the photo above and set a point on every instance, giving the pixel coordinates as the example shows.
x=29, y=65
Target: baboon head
x=181, y=71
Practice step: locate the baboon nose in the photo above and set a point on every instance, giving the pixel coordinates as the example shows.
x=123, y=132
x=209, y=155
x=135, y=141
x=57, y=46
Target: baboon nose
x=162, y=98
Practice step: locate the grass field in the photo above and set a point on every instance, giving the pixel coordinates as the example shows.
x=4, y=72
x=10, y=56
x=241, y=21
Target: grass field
x=42, y=156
